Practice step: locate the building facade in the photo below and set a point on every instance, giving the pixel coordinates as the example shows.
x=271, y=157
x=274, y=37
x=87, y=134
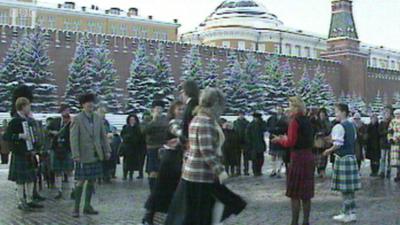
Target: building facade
x=247, y=24
x=67, y=16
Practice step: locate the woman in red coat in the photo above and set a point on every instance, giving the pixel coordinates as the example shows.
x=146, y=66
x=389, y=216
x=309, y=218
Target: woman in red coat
x=300, y=178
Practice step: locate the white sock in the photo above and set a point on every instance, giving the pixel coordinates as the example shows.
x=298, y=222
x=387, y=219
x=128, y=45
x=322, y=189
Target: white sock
x=20, y=193
x=280, y=163
x=273, y=165
x=58, y=183
x=29, y=192
x=217, y=213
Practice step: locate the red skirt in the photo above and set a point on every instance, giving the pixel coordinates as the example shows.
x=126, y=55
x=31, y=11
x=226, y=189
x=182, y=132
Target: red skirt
x=300, y=178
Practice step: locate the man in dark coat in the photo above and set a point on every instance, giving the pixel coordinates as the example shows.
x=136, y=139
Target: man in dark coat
x=256, y=142
x=231, y=149
x=277, y=125
x=384, y=143
x=191, y=94
x=373, y=152
x=240, y=126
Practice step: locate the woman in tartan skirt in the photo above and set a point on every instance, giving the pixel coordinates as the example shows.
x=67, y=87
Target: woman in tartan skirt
x=394, y=139
x=323, y=129
x=22, y=168
x=345, y=178
x=300, y=175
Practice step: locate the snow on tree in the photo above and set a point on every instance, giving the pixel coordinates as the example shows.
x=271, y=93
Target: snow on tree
x=396, y=100
x=377, y=103
x=344, y=99
x=211, y=74
x=141, y=82
x=320, y=92
x=165, y=85
x=109, y=95
x=37, y=73
x=288, y=85
x=358, y=104
x=81, y=74
x=234, y=86
x=8, y=73
x=303, y=88
x=192, y=66
x=271, y=79
x=253, y=85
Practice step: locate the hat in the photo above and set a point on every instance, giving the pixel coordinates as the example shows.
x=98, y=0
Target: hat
x=396, y=112
x=159, y=103
x=257, y=114
x=63, y=107
x=89, y=97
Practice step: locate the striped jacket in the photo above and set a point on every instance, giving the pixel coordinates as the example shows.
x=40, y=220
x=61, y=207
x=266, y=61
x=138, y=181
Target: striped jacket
x=203, y=163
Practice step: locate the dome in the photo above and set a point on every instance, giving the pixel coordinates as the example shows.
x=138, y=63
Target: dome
x=241, y=13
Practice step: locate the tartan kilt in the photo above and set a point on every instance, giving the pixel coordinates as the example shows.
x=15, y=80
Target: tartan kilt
x=21, y=170
x=395, y=156
x=64, y=165
x=320, y=160
x=346, y=177
x=88, y=171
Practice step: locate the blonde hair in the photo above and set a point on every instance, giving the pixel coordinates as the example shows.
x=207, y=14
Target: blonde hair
x=297, y=104
x=21, y=103
x=212, y=102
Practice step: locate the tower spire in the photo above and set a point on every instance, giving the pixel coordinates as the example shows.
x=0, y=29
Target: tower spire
x=342, y=21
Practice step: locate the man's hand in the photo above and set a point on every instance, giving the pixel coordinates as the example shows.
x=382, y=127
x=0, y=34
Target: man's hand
x=223, y=177
x=23, y=136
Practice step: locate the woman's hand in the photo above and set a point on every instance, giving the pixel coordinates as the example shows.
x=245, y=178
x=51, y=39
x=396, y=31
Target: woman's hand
x=327, y=152
x=223, y=177
x=276, y=139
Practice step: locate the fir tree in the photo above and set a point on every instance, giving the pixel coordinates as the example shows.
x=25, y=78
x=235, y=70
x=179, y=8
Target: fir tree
x=140, y=83
x=396, y=100
x=320, y=92
x=288, y=85
x=192, y=67
x=377, y=104
x=107, y=80
x=211, y=74
x=358, y=104
x=252, y=82
x=81, y=74
x=303, y=88
x=271, y=79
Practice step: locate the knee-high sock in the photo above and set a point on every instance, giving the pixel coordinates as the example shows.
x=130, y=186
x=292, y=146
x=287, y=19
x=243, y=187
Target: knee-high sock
x=58, y=183
x=20, y=193
x=29, y=192
x=217, y=213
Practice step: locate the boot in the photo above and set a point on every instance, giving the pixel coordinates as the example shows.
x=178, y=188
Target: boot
x=125, y=176
x=77, y=197
x=140, y=175
x=88, y=209
x=131, y=175
x=148, y=218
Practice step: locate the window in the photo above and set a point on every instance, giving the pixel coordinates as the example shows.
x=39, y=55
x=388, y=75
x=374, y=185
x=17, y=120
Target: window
x=308, y=52
x=226, y=44
x=277, y=48
x=392, y=65
x=288, y=48
x=261, y=47
x=71, y=24
x=23, y=17
x=51, y=22
x=373, y=63
x=298, y=50
x=4, y=19
x=241, y=45
x=123, y=30
x=114, y=29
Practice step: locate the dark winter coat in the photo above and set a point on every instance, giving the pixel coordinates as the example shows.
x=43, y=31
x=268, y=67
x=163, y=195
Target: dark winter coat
x=156, y=133
x=188, y=116
x=133, y=147
x=277, y=125
x=383, y=132
x=240, y=126
x=64, y=136
x=373, y=151
x=231, y=148
x=255, y=136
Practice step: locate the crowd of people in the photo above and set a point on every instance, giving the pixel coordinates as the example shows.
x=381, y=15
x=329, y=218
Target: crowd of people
x=191, y=153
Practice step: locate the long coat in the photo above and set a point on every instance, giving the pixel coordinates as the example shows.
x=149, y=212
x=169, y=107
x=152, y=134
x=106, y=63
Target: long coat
x=383, y=132
x=231, y=148
x=255, y=136
x=133, y=147
x=373, y=151
x=4, y=146
x=240, y=126
x=277, y=126
x=89, y=143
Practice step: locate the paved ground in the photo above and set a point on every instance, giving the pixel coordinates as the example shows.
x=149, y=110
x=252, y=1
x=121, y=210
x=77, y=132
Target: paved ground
x=121, y=203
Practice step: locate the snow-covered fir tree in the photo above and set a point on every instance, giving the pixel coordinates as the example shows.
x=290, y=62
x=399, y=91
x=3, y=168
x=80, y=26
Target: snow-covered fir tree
x=165, y=85
x=234, y=86
x=396, y=100
x=81, y=74
x=320, y=92
x=288, y=84
x=377, y=104
x=271, y=79
x=255, y=89
x=38, y=74
x=109, y=95
x=344, y=98
x=211, y=78
x=358, y=104
x=192, y=66
x=8, y=73
x=141, y=82
x=303, y=87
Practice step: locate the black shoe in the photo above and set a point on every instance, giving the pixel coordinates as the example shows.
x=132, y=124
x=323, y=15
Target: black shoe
x=75, y=213
x=38, y=198
x=58, y=196
x=397, y=179
x=34, y=205
x=273, y=174
x=246, y=174
x=382, y=175
x=388, y=175
x=24, y=207
x=139, y=177
x=90, y=211
x=72, y=196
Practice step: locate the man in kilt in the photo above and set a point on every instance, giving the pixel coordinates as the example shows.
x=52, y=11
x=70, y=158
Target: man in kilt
x=345, y=178
x=22, y=166
x=61, y=156
x=394, y=139
x=89, y=147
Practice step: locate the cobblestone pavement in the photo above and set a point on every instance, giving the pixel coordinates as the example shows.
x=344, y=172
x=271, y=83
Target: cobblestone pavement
x=122, y=203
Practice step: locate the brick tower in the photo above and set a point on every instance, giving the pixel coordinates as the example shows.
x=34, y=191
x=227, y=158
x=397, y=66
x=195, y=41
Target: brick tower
x=344, y=46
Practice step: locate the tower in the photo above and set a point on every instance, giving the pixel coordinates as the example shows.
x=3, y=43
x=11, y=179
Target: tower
x=344, y=46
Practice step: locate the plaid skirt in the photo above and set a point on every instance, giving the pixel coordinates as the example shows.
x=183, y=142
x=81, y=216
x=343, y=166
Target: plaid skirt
x=346, y=177
x=395, y=156
x=152, y=160
x=88, y=171
x=320, y=160
x=64, y=165
x=22, y=170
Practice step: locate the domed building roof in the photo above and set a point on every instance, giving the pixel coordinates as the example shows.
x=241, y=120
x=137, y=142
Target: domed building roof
x=241, y=13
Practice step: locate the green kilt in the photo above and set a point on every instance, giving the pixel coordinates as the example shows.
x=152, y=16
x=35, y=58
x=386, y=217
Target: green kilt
x=346, y=177
x=88, y=171
x=22, y=170
x=63, y=165
x=395, y=155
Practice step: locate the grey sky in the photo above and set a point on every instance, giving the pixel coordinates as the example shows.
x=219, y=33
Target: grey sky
x=378, y=21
